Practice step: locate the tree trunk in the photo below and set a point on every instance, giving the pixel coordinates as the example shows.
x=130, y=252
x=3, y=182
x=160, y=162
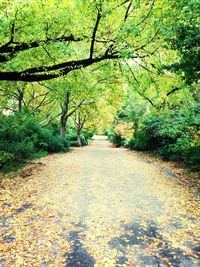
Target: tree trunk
x=20, y=97
x=63, y=128
x=79, y=139
x=20, y=101
x=64, y=115
x=136, y=125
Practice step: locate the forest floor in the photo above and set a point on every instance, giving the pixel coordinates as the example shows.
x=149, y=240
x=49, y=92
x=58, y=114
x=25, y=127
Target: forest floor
x=98, y=206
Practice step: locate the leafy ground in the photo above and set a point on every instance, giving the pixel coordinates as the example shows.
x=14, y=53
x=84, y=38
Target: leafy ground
x=98, y=206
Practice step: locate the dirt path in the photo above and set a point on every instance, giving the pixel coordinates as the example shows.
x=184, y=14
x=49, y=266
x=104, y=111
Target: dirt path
x=98, y=206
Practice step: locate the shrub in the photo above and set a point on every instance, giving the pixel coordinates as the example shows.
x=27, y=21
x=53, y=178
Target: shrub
x=117, y=139
x=24, y=138
x=139, y=142
x=84, y=141
x=72, y=137
x=173, y=136
x=86, y=135
x=5, y=158
x=73, y=140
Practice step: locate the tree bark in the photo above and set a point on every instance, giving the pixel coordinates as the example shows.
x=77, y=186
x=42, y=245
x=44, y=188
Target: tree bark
x=63, y=127
x=20, y=101
x=79, y=122
x=136, y=125
x=79, y=138
x=64, y=115
x=44, y=73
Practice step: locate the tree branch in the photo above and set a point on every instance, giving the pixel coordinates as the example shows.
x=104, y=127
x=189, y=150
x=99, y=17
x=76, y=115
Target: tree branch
x=99, y=13
x=51, y=120
x=127, y=12
x=175, y=89
x=140, y=93
x=148, y=14
x=14, y=47
x=75, y=109
x=50, y=72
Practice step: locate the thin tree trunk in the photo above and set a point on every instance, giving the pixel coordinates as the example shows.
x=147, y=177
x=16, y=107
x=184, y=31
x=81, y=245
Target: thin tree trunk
x=64, y=115
x=136, y=125
x=20, y=101
x=20, y=97
x=63, y=128
x=79, y=138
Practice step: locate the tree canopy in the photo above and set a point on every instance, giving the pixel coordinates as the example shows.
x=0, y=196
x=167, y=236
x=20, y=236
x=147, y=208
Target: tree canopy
x=42, y=40
x=77, y=65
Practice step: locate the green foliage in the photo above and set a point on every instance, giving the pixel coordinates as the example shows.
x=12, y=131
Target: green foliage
x=22, y=138
x=85, y=137
x=174, y=136
x=88, y=134
x=184, y=37
x=84, y=141
x=156, y=45
x=115, y=138
x=5, y=158
x=187, y=42
x=138, y=142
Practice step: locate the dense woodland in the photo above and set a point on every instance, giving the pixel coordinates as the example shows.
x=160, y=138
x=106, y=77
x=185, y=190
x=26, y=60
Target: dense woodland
x=69, y=69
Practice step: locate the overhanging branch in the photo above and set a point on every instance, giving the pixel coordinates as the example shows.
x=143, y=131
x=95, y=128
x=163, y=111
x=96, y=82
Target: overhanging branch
x=50, y=72
x=95, y=30
x=14, y=47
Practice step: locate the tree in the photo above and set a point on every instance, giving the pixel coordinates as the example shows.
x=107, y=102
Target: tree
x=184, y=37
x=80, y=118
x=133, y=111
x=20, y=96
x=38, y=36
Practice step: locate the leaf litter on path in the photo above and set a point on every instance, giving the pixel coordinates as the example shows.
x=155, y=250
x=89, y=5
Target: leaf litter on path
x=97, y=206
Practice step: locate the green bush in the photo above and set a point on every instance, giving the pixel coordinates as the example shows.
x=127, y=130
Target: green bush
x=5, y=158
x=116, y=139
x=24, y=138
x=85, y=137
x=139, y=142
x=174, y=136
x=84, y=141
x=73, y=140
x=88, y=134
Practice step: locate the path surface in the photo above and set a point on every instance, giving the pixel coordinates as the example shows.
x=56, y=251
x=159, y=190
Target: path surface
x=98, y=206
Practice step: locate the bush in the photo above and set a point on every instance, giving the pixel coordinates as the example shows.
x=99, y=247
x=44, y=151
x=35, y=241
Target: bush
x=88, y=134
x=5, y=158
x=174, y=136
x=116, y=139
x=85, y=137
x=24, y=138
x=84, y=141
x=139, y=142
x=73, y=140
